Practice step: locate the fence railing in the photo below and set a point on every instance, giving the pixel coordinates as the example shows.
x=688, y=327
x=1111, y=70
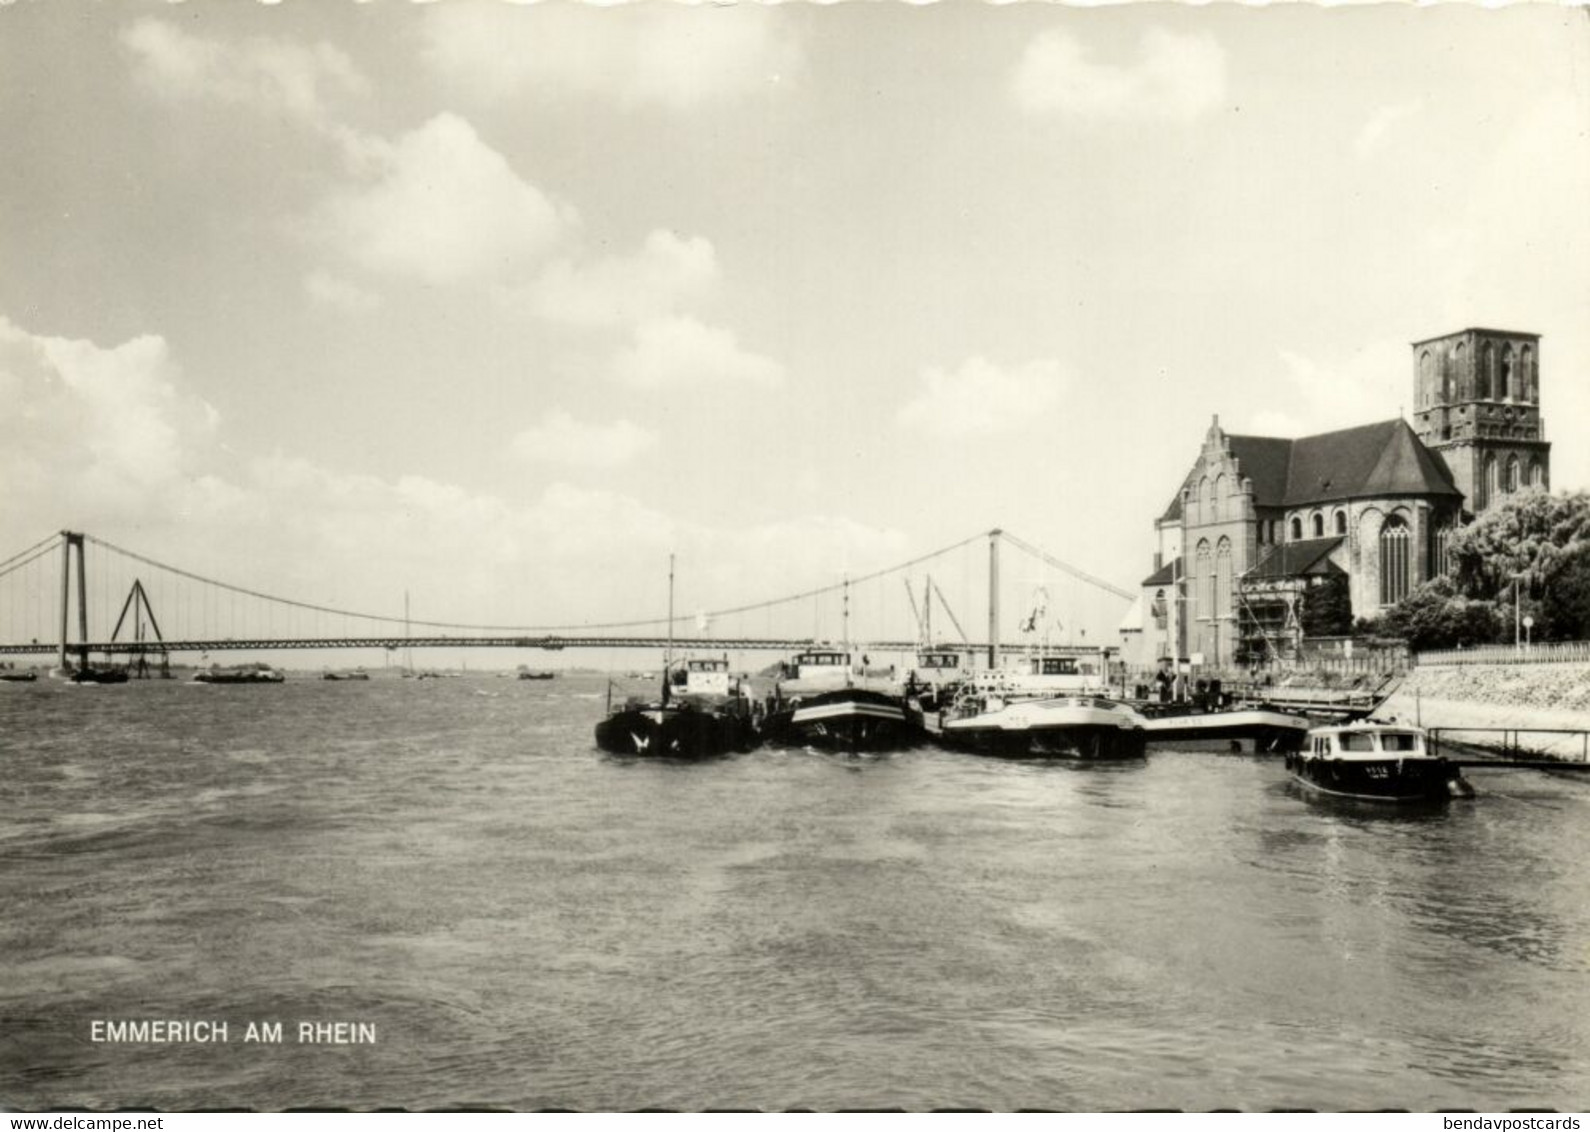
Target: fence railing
x=1550, y=652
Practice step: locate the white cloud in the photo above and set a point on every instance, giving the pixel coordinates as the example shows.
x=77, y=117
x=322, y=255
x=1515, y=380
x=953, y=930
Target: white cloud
x=676, y=352
x=446, y=208
x=669, y=55
x=1372, y=137
x=107, y=440
x=329, y=291
x=666, y=273
x=983, y=399
x=1366, y=385
x=1173, y=76
x=267, y=75
x=92, y=433
x=560, y=439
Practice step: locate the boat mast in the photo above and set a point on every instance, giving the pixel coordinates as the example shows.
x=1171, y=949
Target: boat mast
x=668, y=656
x=845, y=622
x=993, y=597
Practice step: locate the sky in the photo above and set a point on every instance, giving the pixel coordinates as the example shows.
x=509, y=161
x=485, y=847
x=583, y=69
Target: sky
x=500, y=305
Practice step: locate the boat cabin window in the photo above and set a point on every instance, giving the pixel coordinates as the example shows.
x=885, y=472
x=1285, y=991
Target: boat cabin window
x=829, y=659
x=1355, y=741
x=708, y=665
x=939, y=660
x=1054, y=666
x=1399, y=741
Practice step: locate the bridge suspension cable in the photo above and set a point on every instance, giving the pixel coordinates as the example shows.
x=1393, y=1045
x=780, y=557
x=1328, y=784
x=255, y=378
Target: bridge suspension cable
x=47, y=545
x=1066, y=567
x=639, y=623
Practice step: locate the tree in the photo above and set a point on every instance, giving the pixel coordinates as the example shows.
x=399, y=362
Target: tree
x=1530, y=535
x=1327, y=607
x=1535, y=541
x=1437, y=616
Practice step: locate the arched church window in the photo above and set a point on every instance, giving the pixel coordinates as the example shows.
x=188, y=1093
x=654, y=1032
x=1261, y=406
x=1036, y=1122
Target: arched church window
x=1484, y=382
x=1393, y=561
x=1427, y=389
x=1341, y=522
x=1297, y=527
x=1204, y=589
x=1205, y=511
x=1526, y=375
x=1504, y=378
x=1462, y=386
x=1510, y=483
x=1536, y=477
x=1485, y=490
x=1223, y=578
x=1318, y=522
x=1440, y=549
x=1217, y=509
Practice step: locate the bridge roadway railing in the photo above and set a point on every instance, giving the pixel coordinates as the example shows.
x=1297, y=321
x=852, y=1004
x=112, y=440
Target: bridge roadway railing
x=549, y=643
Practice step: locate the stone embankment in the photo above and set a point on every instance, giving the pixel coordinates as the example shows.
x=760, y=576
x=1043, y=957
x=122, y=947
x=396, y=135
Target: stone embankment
x=1521, y=697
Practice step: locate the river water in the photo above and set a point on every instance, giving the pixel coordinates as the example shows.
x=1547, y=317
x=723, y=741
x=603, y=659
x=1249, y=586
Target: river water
x=527, y=923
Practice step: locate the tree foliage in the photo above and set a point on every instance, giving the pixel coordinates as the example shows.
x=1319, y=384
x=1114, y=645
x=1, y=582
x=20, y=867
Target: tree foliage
x=1437, y=616
x=1532, y=535
x=1327, y=608
x=1534, y=540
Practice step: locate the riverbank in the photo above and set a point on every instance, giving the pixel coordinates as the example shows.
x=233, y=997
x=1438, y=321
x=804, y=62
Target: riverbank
x=1522, y=697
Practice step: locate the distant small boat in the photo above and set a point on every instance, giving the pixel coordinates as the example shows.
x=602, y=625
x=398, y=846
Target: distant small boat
x=253, y=674
x=526, y=674
x=11, y=677
x=345, y=676
x=92, y=675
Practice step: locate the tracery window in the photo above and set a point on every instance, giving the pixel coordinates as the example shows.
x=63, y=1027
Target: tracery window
x=1223, y=578
x=1394, y=564
x=1205, y=588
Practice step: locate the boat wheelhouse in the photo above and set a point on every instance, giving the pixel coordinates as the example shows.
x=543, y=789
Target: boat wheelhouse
x=701, y=677
x=1376, y=762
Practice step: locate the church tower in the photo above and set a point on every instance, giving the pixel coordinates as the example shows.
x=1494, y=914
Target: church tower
x=1476, y=397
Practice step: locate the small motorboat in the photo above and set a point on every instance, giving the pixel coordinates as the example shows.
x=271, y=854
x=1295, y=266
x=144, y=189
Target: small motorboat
x=1377, y=762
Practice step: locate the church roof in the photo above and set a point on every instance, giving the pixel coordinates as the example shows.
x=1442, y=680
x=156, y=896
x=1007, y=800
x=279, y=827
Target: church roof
x=1264, y=460
x=1307, y=556
x=1384, y=458
x=1165, y=575
x=1381, y=459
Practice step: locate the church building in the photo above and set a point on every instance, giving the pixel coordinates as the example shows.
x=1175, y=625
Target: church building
x=1266, y=535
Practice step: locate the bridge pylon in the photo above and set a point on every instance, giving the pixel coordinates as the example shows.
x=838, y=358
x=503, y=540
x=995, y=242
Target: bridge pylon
x=69, y=539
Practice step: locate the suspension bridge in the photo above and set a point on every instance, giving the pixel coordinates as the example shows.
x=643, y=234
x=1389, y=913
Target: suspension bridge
x=76, y=597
